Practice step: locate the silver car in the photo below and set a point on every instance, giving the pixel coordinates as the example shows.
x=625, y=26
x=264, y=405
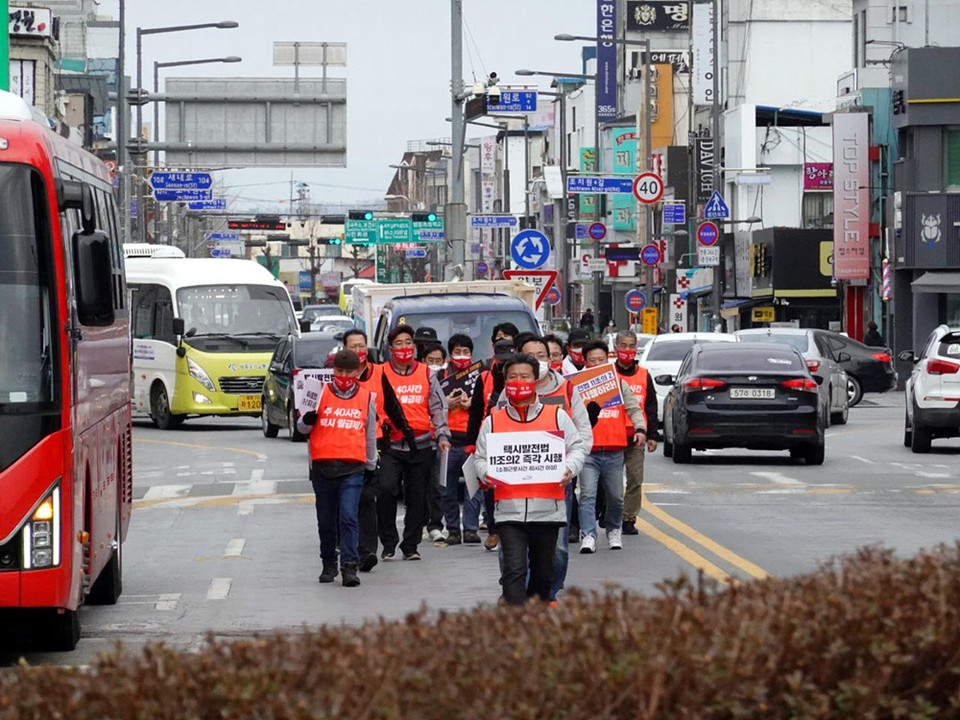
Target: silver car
x=834, y=385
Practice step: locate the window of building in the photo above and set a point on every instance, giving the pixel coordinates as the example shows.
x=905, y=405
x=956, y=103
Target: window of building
x=818, y=210
x=23, y=79
x=953, y=158
x=900, y=13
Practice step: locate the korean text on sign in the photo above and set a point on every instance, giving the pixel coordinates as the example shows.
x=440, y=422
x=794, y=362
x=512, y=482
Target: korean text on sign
x=598, y=384
x=527, y=458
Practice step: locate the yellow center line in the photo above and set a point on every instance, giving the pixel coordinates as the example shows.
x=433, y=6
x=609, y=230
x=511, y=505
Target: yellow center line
x=202, y=447
x=716, y=548
x=685, y=553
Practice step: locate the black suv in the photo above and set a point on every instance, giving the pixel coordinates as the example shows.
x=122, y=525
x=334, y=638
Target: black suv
x=293, y=354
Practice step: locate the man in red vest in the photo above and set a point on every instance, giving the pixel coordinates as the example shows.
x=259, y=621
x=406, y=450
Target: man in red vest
x=642, y=386
x=343, y=443
x=425, y=409
x=529, y=517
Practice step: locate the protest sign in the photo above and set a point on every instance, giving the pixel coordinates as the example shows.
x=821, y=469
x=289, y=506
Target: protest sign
x=526, y=458
x=307, y=386
x=598, y=384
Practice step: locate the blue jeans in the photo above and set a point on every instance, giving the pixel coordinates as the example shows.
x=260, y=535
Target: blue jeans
x=451, y=502
x=562, y=557
x=606, y=467
x=338, y=496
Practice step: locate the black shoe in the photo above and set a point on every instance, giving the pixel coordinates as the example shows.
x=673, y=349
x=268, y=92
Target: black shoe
x=411, y=556
x=329, y=572
x=471, y=537
x=388, y=555
x=630, y=528
x=452, y=539
x=350, y=577
x=368, y=562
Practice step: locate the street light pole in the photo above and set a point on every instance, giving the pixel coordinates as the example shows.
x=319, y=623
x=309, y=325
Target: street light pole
x=717, y=294
x=455, y=216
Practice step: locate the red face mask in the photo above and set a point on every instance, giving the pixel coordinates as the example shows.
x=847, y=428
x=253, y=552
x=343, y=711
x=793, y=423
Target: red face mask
x=557, y=365
x=626, y=356
x=460, y=363
x=362, y=357
x=403, y=355
x=344, y=383
x=519, y=391
x=576, y=355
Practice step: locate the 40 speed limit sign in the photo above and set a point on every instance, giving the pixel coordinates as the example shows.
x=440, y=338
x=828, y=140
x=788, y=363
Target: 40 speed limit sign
x=648, y=187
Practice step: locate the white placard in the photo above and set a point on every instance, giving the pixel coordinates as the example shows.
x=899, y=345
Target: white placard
x=708, y=256
x=703, y=50
x=470, y=478
x=534, y=457
x=307, y=387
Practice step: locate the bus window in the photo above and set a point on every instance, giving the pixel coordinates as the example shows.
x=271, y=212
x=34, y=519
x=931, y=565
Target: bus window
x=143, y=316
x=163, y=316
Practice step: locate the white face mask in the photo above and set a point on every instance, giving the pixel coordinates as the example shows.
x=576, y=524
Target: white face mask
x=544, y=369
x=437, y=368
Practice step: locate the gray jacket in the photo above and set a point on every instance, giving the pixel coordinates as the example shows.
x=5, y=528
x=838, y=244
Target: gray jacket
x=535, y=510
x=578, y=411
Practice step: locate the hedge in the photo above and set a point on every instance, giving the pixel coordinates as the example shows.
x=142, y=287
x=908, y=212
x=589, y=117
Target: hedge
x=866, y=636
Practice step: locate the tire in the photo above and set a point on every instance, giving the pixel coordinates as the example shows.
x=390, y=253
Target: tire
x=907, y=431
x=106, y=590
x=295, y=435
x=682, y=454
x=160, y=412
x=840, y=418
x=269, y=429
x=667, y=446
x=62, y=632
x=920, y=438
x=814, y=454
x=854, y=391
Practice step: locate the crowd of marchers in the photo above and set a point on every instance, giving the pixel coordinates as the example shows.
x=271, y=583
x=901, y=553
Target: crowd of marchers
x=430, y=409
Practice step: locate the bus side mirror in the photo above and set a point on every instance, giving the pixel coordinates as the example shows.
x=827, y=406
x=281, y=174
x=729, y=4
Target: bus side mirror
x=93, y=273
x=76, y=195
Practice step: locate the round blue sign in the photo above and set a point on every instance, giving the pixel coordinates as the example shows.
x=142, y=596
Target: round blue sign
x=529, y=249
x=597, y=231
x=553, y=297
x=650, y=255
x=482, y=268
x=708, y=234
x=635, y=300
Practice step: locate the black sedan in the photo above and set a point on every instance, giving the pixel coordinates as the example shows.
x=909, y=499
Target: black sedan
x=747, y=395
x=292, y=356
x=869, y=369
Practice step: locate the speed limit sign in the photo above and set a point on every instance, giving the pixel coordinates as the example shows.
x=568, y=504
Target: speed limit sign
x=648, y=188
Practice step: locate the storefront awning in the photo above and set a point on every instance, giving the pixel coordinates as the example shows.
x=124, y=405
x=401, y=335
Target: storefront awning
x=937, y=282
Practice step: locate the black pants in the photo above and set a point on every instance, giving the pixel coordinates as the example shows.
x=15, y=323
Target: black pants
x=434, y=498
x=520, y=542
x=489, y=504
x=411, y=471
x=368, y=514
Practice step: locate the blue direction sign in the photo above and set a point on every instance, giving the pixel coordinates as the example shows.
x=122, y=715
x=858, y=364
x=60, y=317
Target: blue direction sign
x=306, y=282
x=222, y=236
x=416, y=253
x=181, y=181
x=597, y=231
x=716, y=208
x=650, y=255
x=514, y=101
x=674, y=214
x=487, y=221
x=529, y=249
x=214, y=204
x=181, y=195
x=482, y=268
x=599, y=185
x=635, y=300
x=581, y=232
x=708, y=234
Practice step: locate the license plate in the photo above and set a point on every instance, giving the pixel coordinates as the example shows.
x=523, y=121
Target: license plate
x=752, y=393
x=248, y=402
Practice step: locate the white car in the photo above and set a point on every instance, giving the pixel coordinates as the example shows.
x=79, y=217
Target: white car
x=664, y=354
x=933, y=390
x=331, y=323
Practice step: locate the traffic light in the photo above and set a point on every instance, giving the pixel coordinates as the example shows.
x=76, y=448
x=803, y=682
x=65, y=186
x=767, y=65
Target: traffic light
x=361, y=215
x=424, y=217
x=330, y=241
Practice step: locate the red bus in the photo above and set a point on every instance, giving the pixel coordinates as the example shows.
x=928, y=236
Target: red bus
x=66, y=481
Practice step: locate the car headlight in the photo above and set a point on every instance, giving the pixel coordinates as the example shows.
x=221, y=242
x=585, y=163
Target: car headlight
x=41, y=534
x=199, y=374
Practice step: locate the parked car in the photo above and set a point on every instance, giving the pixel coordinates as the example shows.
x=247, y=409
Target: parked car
x=833, y=378
x=292, y=355
x=663, y=355
x=757, y=396
x=933, y=390
x=331, y=323
x=869, y=369
x=311, y=312
x=643, y=339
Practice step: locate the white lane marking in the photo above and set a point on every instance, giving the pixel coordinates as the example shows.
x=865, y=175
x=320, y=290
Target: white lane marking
x=165, y=492
x=781, y=491
x=907, y=466
x=256, y=485
x=668, y=491
x=219, y=589
x=234, y=548
x=933, y=476
x=863, y=460
x=778, y=478
x=245, y=507
x=168, y=602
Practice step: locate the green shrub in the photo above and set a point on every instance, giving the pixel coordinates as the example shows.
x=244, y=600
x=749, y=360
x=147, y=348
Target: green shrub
x=867, y=636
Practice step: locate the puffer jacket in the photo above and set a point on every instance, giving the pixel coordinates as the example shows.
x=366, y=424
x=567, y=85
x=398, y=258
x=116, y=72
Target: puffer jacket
x=535, y=510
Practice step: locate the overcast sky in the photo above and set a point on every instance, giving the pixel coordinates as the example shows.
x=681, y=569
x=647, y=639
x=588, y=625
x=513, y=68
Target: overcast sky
x=398, y=73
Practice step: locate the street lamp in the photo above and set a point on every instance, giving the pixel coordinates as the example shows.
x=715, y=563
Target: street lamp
x=223, y=25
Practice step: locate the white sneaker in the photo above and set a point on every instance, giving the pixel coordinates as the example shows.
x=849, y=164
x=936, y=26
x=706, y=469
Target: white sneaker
x=436, y=535
x=588, y=544
x=615, y=538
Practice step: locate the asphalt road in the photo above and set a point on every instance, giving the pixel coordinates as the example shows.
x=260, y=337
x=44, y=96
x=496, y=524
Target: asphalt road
x=223, y=539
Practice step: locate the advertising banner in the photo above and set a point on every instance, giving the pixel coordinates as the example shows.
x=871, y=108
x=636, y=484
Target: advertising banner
x=588, y=164
x=659, y=15
x=598, y=384
x=307, y=388
x=606, y=61
x=525, y=458
x=677, y=314
x=624, y=161
x=703, y=50
x=851, y=196
x=704, y=159
x=817, y=176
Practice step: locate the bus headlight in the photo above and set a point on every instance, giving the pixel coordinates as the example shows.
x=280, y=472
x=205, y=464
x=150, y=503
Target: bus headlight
x=199, y=374
x=41, y=534
x=202, y=399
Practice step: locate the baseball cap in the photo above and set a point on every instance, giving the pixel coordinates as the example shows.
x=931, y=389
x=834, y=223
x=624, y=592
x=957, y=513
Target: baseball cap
x=425, y=334
x=503, y=349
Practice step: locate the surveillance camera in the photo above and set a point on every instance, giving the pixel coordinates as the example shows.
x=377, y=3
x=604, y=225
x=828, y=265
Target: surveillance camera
x=493, y=95
x=493, y=79
x=478, y=88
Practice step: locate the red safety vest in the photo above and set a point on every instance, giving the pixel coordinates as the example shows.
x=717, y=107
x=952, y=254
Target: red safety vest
x=610, y=432
x=340, y=432
x=561, y=396
x=374, y=383
x=638, y=384
x=546, y=420
x=413, y=392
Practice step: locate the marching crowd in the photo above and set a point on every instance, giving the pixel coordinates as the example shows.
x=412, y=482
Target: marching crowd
x=417, y=423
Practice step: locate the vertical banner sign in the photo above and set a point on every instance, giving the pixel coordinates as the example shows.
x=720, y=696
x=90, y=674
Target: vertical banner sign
x=624, y=161
x=606, y=61
x=704, y=158
x=5, y=50
x=851, y=196
x=488, y=188
x=588, y=203
x=703, y=51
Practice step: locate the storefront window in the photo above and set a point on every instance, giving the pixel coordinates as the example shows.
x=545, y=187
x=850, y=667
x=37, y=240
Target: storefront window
x=953, y=310
x=953, y=158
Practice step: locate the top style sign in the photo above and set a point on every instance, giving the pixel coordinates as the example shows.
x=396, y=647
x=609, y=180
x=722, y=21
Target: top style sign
x=851, y=196
x=658, y=15
x=181, y=181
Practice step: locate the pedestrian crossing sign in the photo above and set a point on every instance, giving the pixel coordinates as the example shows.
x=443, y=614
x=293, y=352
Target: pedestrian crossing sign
x=716, y=208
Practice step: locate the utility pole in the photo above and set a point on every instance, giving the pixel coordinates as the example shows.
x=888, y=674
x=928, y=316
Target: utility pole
x=120, y=132
x=715, y=129
x=455, y=214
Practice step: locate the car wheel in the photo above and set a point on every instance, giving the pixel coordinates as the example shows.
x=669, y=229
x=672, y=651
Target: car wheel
x=814, y=454
x=840, y=418
x=682, y=453
x=907, y=431
x=854, y=391
x=920, y=438
x=295, y=435
x=667, y=446
x=269, y=429
x=160, y=412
